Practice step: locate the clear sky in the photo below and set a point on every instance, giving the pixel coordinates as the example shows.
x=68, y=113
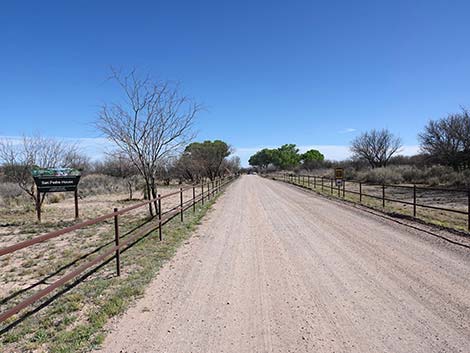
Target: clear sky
x=314, y=73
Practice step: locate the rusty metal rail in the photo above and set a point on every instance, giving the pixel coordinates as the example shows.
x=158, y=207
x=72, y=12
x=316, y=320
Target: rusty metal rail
x=314, y=182
x=119, y=244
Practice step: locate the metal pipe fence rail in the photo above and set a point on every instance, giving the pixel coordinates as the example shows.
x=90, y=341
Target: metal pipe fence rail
x=327, y=184
x=208, y=191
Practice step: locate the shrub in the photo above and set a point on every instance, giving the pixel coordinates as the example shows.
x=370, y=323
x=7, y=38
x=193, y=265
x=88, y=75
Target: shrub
x=9, y=190
x=436, y=175
x=55, y=197
x=412, y=174
x=433, y=176
x=95, y=184
x=385, y=175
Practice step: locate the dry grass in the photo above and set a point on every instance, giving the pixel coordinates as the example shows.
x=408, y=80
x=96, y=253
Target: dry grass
x=22, y=269
x=74, y=321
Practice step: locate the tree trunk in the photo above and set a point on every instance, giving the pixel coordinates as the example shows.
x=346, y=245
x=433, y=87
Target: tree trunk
x=129, y=185
x=148, y=196
x=153, y=187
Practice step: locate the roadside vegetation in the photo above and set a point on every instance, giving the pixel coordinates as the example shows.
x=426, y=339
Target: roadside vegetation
x=444, y=158
x=443, y=161
x=74, y=321
x=151, y=127
x=436, y=198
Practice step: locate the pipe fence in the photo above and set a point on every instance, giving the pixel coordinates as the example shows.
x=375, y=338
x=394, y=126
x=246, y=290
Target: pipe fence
x=208, y=190
x=457, y=201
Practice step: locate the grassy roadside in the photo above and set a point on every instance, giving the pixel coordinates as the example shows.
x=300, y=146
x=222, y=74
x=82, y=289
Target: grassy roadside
x=74, y=321
x=439, y=218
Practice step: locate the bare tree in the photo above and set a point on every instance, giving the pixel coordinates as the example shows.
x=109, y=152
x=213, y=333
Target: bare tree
x=447, y=141
x=188, y=168
x=152, y=123
x=77, y=160
x=231, y=165
x=20, y=156
x=376, y=147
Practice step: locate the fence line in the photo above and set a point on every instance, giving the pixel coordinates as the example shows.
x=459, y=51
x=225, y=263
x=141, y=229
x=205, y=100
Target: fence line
x=212, y=188
x=314, y=182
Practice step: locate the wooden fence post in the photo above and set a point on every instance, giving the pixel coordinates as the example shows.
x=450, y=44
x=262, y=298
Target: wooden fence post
x=331, y=186
x=314, y=182
x=344, y=188
x=360, y=192
x=194, y=199
x=414, y=200
x=116, y=242
x=321, y=183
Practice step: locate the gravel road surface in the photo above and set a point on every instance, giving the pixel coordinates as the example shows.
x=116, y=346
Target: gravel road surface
x=274, y=268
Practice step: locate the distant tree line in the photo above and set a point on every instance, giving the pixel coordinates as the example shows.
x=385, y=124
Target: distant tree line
x=286, y=157
x=445, y=142
x=198, y=161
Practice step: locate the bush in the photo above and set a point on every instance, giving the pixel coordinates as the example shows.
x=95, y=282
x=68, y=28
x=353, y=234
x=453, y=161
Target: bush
x=382, y=175
x=436, y=175
x=10, y=190
x=95, y=184
x=55, y=197
x=433, y=176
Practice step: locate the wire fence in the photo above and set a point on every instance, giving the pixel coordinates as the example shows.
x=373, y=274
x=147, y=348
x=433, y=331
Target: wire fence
x=200, y=193
x=443, y=206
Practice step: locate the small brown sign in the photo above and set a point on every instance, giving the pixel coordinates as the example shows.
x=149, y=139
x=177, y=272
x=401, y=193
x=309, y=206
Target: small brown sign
x=339, y=173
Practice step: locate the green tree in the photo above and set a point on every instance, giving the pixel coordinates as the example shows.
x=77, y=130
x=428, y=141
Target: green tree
x=262, y=159
x=287, y=157
x=312, y=159
x=312, y=155
x=209, y=156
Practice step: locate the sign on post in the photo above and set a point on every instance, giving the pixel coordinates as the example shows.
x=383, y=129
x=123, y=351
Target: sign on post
x=339, y=176
x=56, y=180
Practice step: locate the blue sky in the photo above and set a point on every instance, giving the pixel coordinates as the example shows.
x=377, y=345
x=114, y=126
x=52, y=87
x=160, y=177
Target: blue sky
x=314, y=73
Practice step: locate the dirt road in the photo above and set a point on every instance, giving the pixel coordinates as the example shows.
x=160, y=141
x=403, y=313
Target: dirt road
x=276, y=269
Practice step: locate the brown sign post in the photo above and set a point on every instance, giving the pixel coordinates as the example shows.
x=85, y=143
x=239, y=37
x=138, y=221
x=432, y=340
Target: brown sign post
x=339, y=176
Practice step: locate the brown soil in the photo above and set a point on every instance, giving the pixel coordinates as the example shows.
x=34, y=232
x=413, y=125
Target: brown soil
x=278, y=269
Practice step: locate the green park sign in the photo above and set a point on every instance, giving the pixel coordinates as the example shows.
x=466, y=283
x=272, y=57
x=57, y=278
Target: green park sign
x=56, y=179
